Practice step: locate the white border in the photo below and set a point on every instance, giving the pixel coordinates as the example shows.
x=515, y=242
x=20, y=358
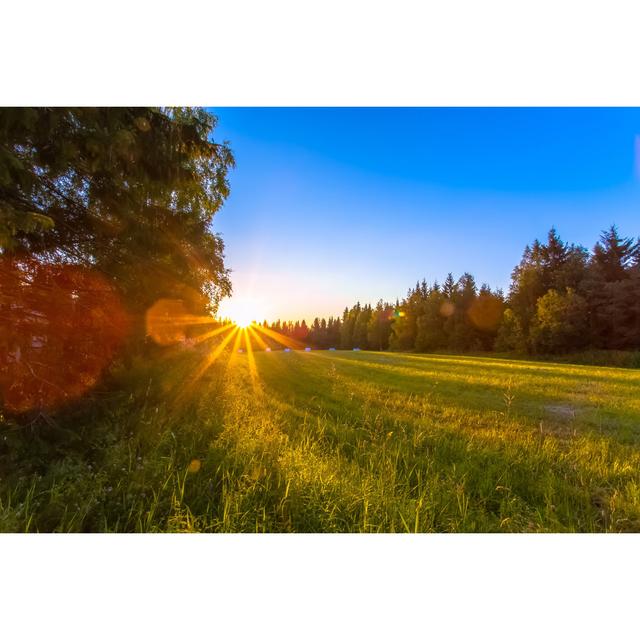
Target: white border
x=318, y=586
x=328, y=52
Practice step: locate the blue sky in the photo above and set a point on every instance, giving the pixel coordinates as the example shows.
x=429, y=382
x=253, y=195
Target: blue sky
x=331, y=206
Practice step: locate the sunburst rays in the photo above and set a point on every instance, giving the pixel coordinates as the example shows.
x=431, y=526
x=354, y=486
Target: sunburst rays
x=168, y=323
x=213, y=355
x=285, y=341
x=253, y=369
x=238, y=344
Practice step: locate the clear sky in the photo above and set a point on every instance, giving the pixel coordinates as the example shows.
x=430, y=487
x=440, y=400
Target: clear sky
x=332, y=206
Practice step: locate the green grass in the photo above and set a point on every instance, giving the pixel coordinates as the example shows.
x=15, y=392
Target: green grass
x=337, y=441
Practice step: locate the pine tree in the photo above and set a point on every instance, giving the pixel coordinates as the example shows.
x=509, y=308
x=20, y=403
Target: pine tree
x=614, y=257
x=379, y=327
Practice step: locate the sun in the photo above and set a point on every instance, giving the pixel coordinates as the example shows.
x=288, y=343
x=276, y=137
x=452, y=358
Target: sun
x=242, y=320
x=243, y=312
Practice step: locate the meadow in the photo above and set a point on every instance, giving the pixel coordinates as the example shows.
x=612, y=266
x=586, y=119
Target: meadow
x=335, y=442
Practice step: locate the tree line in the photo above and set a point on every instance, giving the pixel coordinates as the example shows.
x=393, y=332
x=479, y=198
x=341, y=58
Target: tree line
x=562, y=298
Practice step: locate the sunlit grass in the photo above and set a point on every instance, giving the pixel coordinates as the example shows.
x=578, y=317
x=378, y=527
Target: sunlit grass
x=340, y=441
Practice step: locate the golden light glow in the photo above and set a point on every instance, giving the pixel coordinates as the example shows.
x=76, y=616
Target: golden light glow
x=241, y=311
x=212, y=357
x=244, y=322
x=285, y=341
x=238, y=334
x=236, y=344
x=194, y=466
x=256, y=336
x=168, y=319
x=253, y=369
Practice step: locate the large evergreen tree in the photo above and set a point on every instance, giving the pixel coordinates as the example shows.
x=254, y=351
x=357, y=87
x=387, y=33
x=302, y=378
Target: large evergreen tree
x=103, y=213
x=614, y=257
x=612, y=289
x=129, y=192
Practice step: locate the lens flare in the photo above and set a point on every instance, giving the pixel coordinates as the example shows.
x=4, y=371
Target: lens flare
x=486, y=313
x=62, y=326
x=447, y=309
x=168, y=321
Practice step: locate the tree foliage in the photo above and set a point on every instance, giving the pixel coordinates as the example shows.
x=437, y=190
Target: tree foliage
x=129, y=192
x=562, y=298
x=103, y=212
x=560, y=322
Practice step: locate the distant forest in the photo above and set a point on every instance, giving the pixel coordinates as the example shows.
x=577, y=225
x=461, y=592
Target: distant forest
x=562, y=298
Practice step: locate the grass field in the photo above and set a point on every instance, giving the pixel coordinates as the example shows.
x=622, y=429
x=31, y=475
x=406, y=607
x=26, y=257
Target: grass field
x=337, y=442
